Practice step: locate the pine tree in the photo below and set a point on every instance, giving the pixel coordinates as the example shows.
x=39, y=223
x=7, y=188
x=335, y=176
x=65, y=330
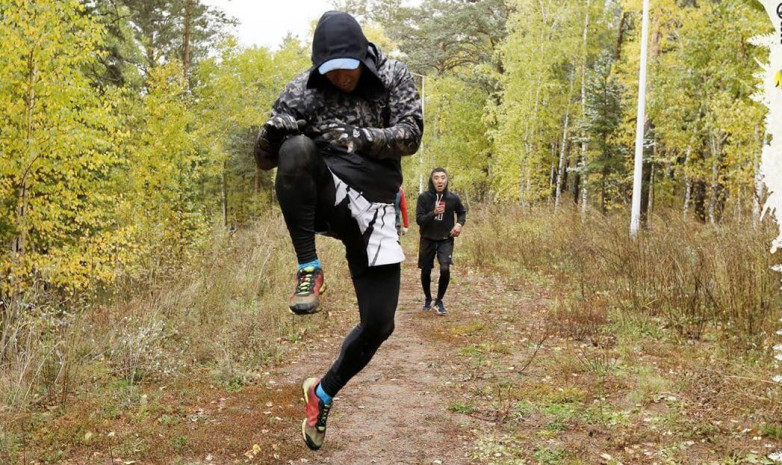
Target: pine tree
x=603, y=115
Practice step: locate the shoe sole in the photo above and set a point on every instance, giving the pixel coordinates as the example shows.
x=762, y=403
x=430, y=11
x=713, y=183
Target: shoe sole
x=304, y=309
x=305, y=388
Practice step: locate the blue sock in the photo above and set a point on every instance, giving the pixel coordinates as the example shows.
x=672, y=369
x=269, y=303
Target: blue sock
x=322, y=394
x=315, y=263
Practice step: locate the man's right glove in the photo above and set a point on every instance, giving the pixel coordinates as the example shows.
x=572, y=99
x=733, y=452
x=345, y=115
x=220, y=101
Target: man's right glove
x=281, y=125
x=271, y=136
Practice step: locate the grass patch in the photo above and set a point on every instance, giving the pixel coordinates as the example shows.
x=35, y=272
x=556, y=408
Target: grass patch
x=471, y=328
x=547, y=456
x=771, y=430
x=461, y=407
x=476, y=350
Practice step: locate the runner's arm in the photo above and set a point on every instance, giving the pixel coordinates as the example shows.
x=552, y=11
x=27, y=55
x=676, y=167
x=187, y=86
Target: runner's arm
x=423, y=212
x=267, y=144
x=406, y=123
x=403, y=208
x=461, y=211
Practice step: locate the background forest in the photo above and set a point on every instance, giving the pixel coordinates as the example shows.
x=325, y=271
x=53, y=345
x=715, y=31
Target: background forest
x=125, y=166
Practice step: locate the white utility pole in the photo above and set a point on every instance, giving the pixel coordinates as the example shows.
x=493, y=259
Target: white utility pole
x=635, y=219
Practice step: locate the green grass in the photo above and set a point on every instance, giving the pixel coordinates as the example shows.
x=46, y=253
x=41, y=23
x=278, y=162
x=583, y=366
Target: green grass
x=771, y=430
x=180, y=443
x=461, y=407
x=547, y=456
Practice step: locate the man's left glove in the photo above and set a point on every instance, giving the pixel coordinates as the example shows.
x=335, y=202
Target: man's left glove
x=348, y=137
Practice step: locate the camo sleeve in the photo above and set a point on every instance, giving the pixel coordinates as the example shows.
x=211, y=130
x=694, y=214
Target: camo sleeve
x=406, y=124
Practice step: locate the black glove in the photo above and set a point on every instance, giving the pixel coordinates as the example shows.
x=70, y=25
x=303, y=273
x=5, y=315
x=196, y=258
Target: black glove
x=349, y=137
x=271, y=136
x=280, y=126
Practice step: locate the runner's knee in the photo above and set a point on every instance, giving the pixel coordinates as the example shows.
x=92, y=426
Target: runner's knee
x=379, y=330
x=386, y=330
x=297, y=155
x=445, y=268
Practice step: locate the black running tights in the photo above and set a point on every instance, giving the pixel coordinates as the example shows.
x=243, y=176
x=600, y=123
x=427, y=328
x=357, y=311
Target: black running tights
x=377, y=290
x=442, y=283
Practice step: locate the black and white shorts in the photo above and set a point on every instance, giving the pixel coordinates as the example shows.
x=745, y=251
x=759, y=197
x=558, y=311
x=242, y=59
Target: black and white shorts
x=376, y=222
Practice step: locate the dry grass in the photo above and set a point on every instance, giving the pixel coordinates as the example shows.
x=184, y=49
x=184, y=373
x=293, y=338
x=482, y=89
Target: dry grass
x=221, y=316
x=696, y=277
x=665, y=339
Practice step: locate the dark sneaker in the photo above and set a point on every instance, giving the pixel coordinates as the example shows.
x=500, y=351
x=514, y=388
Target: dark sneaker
x=427, y=305
x=310, y=284
x=313, y=428
x=440, y=308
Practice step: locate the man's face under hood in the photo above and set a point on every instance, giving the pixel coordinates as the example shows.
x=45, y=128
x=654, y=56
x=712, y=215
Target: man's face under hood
x=345, y=80
x=440, y=181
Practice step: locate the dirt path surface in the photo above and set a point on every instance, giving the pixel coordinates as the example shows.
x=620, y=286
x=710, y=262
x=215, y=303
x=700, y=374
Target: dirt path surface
x=395, y=411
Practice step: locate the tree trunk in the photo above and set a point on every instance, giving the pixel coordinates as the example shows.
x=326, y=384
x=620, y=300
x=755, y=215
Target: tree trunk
x=19, y=246
x=621, y=36
x=717, y=195
x=646, y=179
x=647, y=190
x=650, y=203
x=699, y=199
x=759, y=186
x=186, y=58
x=563, y=146
x=525, y=169
x=584, y=152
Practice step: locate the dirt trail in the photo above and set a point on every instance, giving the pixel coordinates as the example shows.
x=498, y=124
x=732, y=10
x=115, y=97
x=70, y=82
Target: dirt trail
x=395, y=411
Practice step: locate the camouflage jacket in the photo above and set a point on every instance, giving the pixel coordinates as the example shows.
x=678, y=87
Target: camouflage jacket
x=393, y=114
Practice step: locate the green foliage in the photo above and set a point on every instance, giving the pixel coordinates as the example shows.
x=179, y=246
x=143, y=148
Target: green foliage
x=541, y=57
x=602, y=117
x=165, y=169
x=58, y=150
x=233, y=98
x=118, y=62
x=455, y=135
x=461, y=407
x=701, y=96
x=441, y=36
x=159, y=26
x=111, y=168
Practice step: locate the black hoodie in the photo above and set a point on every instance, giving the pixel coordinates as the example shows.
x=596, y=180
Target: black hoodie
x=432, y=228
x=385, y=101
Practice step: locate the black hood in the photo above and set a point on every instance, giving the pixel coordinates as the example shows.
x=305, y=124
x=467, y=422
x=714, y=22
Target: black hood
x=338, y=35
x=431, y=183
